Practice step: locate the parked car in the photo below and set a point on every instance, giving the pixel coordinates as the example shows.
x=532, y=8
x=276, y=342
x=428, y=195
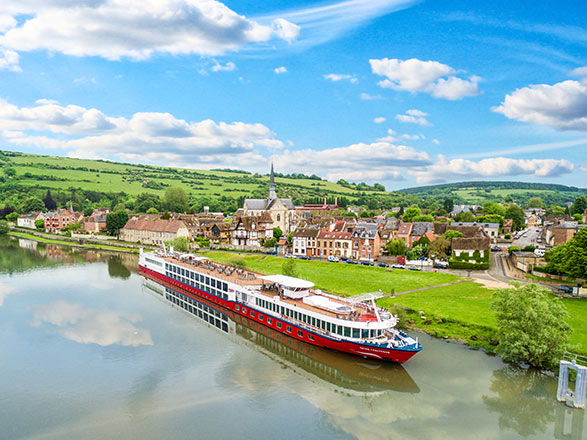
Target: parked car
x=288, y=256
x=440, y=265
x=333, y=259
x=495, y=249
x=382, y=264
x=344, y=259
x=367, y=263
x=398, y=266
x=351, y=261
x=413, y=268
x=565, y=289
x=303, y=257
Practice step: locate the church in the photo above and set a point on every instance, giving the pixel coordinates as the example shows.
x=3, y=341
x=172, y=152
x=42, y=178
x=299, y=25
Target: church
x=282, y=211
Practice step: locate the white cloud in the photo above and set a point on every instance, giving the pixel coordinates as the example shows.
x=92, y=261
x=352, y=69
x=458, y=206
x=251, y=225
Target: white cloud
x=90, y=326
x=432, y=77
x=583, y=167
x=151, y=137
x=280, y=70
x=453, y=169
x=368, y=97
x=412, y=137
x=334, y=77
x=579, y=71
x=5, y=290
x=379, y=120
x=562, y=106
x=228, y=67
x=435, y=141
x=414, y=117
x=378, y=161
x=124, y=28
x=9, y=60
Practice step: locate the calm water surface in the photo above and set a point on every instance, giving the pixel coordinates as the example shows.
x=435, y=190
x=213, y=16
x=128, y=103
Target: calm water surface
x=89, y=349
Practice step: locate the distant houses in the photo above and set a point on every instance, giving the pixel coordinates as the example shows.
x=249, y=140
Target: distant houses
x=155, y=232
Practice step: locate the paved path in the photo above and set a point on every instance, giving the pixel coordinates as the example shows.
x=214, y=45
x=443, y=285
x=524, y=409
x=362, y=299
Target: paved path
x=433, y=287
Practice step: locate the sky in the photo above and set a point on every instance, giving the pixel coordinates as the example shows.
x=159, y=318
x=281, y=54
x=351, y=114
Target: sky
x=398, y=92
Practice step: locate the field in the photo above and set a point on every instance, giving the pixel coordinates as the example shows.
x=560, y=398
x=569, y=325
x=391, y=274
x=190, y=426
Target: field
x=459, y=311
x=342, y=279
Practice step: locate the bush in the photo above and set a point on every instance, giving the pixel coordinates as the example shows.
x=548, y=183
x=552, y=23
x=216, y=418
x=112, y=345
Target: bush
x=12, y=217
x=529, y=248
x=270, y=242
x=453, y=264
x=507, y=236
x=4, y=227
x=513, y=249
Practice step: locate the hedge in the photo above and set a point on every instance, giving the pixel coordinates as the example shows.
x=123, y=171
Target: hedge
x=465, y=265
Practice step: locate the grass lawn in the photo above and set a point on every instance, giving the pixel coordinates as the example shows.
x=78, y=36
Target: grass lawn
x=339, y=278
x=74, y=244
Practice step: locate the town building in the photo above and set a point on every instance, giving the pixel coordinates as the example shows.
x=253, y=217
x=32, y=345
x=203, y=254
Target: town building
x=97, y=221
x=28, y=220
x=470, y=246
x=281, y=211
x=304, y=241
x=419, y=230
x=366, y=242
x=56, y=220
x=251, y=231
x=562, y=232
x=336, y=243
x=490, y=229
x=154, y=232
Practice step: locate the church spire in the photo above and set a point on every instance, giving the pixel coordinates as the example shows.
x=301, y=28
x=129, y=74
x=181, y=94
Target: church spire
x=272, y=194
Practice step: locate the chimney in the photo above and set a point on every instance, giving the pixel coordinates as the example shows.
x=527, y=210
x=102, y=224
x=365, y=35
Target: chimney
x=335, y=200
x=325, y=201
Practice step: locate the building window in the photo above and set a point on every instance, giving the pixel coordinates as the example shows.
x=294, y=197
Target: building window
x=278, y=217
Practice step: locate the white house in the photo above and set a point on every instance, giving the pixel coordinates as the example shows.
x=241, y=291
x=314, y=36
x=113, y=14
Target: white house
x=28, y=220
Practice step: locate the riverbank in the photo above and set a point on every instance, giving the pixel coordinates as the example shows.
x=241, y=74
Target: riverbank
x=61, y=242
x=459, y=312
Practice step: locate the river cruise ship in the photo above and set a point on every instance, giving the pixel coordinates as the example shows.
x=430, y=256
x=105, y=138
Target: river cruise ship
x=287, y=305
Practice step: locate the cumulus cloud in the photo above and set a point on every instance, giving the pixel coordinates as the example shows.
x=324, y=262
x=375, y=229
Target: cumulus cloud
x=432, y=77
x=90, y=326
x=147, y=136
x=280, y=70
x=375, y=161
x=562, y=106
x=335, y=77
x=579, y=71
x=9, y=60
x=379, y=120
x=124, y=28
x=444, y=169
x=414, y=117
x=228, y=67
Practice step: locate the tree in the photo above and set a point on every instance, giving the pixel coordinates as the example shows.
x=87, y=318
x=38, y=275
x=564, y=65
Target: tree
x=40, y=224
x=152, y=211
x=448, y=205
x=289, y=268
x=115, y=221
x=531, y=324
x=535, y=202
x=396, y=247
x=515, y=213
x=423, y=218
x=180, y=244
x=88, y=211
x=450, y=234
x=411, y=213
x=4, y=227
x=569, y=258
x=440, y=248
x=10, y=172
x=270, y=242
x=175, y=200
x=32, y=204
x=491, y=218
x=277, y=232
x=579, y=206
x=12, y=216
x=465, y=216
x=50, y=204
x=416, y=252
x=493, y=208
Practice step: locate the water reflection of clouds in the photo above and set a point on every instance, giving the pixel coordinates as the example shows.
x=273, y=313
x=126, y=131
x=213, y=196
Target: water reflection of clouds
x=5, y=290
x=91, y=326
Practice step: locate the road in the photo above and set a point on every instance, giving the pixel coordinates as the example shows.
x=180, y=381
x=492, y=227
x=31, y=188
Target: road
x=527, y=237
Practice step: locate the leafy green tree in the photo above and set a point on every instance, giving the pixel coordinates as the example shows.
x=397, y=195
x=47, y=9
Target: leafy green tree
x=175, y=200
x=180, y=244
x=513, y=249
x=416, y=252
x=40, y=224
x=12, y=216
x=88, y=211
x=411, y=213
x=289, y=268
x=493, y=208
x=152, y=211
x=515, y=213
x=396, y=247
x=465, y=216
x=531, y=324
x=4, y=227
x=491, y=218
x=50, y=204
x=115, y=221
x=579, y=206
x=423, y=218
x=535, y=202
x=277, y=232
x=569, y=258
x=449, y=235
x=440, y=248
x=9, y=171
x=270, y=242
x=32, y=204
x=529, y=248
x=448, y=205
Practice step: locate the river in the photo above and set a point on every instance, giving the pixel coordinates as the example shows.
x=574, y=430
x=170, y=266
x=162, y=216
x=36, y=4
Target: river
x=90, y=349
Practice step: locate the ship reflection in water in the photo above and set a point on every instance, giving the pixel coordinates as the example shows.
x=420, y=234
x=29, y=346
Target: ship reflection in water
x=339, y=369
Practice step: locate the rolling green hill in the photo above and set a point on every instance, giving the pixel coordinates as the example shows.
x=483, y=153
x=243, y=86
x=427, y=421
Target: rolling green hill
x=479, y=192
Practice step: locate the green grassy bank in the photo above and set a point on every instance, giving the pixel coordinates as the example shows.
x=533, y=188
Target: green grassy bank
x=73, y=244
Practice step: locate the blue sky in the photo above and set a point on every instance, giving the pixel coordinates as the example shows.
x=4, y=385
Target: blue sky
x=393, y=91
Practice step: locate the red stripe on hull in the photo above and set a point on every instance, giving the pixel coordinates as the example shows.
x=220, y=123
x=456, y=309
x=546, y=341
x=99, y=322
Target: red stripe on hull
x=386, y=354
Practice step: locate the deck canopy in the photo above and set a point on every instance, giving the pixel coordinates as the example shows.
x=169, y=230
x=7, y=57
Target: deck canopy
x=289, y=282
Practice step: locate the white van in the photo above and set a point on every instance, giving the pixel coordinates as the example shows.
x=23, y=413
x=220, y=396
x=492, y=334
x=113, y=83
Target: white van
x=539, y=252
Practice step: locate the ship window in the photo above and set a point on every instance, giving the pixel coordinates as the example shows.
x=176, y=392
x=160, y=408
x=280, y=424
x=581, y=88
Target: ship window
x=244, y=310
x=300, y=334
x=288, y=328
x=278, y=324
x=327, y=326
x=253, y=313
x=225, y=287
x=269, y=321
x=347, y=331
x=310, y=337
x=364, y=333
x=313, y=321
x=213, y=283
x=356, y=333
x=282, y=310
x=237, y=307
x=260, y=317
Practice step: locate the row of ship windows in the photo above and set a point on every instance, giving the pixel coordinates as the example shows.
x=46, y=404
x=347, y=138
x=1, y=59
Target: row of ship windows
x=278, y=324
x=340, y=330
x=192, y=283
x=209, y=281
x=200, y=310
